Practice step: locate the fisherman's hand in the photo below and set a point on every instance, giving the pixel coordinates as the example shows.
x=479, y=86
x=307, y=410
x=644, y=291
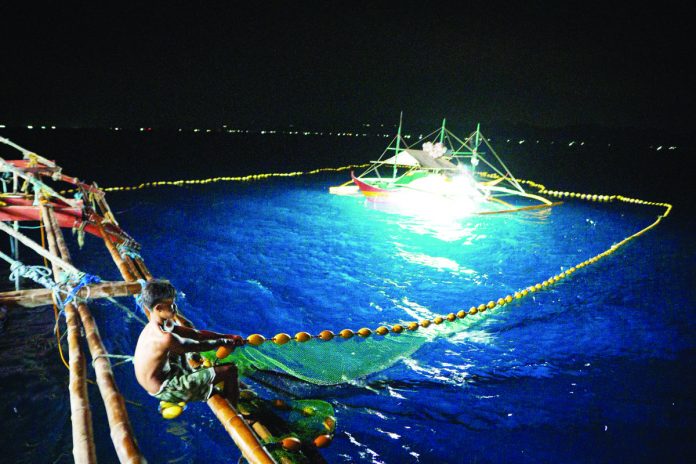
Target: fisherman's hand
x=238, y=340
x=232, y=341
x=225, y=347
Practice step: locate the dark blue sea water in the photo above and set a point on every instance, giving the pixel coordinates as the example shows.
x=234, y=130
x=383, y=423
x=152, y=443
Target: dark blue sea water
x=597, y=368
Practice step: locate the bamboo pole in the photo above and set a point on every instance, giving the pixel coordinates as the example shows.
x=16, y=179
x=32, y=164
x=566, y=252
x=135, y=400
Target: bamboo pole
x=15, y=251
x=240, y=432
x=107, y=215
x=80, y=413
x=120, y=263
x=142, y=268
x=55, y=227
x=263, y=433
x=132, y=268
x=15, y=243
x=121, y=431
x=36, y=182
x=34, y=246
x=32, y=298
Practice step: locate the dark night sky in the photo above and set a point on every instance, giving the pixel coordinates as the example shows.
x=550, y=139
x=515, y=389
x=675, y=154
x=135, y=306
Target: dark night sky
x=544, y=64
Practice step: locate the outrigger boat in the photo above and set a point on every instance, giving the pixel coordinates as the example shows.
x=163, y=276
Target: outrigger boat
x=441, y=167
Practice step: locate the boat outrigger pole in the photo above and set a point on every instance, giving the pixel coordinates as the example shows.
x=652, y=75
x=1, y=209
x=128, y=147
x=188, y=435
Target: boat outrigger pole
x=398, y=139
x=442, y=131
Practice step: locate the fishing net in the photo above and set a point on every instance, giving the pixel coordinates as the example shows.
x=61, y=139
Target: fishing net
x=330, y=362
x=303, y=419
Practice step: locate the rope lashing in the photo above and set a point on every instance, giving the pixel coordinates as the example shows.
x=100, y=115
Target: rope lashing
x=129, y=249
x=84, y=280
x=39, y=274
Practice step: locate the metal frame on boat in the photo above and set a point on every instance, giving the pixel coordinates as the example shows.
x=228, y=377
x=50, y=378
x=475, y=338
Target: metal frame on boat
x=441, y=166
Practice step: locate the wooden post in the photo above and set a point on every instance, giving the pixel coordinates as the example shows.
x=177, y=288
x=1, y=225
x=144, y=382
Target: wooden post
x=121, y=431
x=34, y=297
x=80, y=413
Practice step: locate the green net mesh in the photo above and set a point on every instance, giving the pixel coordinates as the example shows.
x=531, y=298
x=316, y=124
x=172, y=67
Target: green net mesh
x=306, y=420
x=337, y=361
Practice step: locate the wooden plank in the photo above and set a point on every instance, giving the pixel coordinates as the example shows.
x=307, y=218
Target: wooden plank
x=41, y=296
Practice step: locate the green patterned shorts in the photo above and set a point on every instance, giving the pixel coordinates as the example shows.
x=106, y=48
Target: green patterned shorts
x=187, y=386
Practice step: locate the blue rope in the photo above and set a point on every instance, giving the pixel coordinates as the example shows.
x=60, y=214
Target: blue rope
x=125, y=249
x=86, y=279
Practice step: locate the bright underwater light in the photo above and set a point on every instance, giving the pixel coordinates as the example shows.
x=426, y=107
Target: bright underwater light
x=442, y=197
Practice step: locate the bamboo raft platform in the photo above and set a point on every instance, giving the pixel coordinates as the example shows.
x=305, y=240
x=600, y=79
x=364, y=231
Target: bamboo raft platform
x=27, y=196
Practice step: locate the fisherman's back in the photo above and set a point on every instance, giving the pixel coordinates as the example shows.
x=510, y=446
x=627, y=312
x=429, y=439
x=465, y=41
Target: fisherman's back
x=150, y=358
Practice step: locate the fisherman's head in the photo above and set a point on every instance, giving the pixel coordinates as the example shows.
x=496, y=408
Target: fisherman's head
x=158, y=296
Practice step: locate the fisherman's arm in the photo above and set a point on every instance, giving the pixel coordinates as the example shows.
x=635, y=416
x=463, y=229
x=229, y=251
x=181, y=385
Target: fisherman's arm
x=180, y=345
x=202, y=335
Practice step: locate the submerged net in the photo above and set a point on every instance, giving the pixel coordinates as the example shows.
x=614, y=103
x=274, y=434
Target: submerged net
x=328, y=363
x=338, y=361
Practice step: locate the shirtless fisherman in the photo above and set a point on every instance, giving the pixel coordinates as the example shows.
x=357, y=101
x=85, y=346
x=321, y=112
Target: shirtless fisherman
x=159, y=361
